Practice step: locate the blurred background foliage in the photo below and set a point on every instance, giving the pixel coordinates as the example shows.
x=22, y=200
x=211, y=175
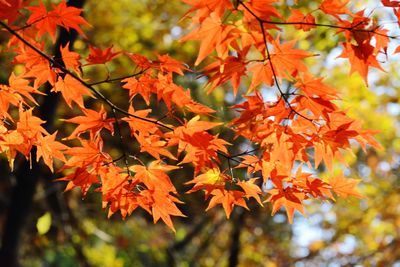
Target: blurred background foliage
x=345, y=233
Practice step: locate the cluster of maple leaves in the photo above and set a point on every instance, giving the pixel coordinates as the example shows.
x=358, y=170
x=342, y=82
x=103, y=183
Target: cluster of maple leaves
x=239, y=39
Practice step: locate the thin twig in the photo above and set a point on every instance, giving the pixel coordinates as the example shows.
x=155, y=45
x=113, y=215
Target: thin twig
x=118, y=78
x=269, y=58
x=77, y=78
x=352, y=28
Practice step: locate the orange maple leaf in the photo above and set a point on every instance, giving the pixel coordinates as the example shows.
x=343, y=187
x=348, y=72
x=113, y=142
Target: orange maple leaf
x=48, y=149
x=213, y=35
x=10, y=9
x=262, y=73
x=153, y=145
x=335, y=7
x=288, y=198
x=264, y=9
x=80, y=178
x=170, y=65
x=71, y=90
x=313, y=86
x=154, y=176
x=61, y=15
x=298, y=16
x=90, y=153
x=20, y=85
x=93, y=122
x=288, y=60
x=70, y=59
x=224, y=70
x=344, y=187
x=163, y=206
x=143, y=86
x=208, y=181
x=361, y=57
x=390, y=3
x=100, y=56
x=251, y=189
x=204, y=8
x=228, y=199
x=30, y=125
x=138, y=125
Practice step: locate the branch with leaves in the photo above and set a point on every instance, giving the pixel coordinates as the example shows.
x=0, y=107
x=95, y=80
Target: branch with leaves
x=239, y=41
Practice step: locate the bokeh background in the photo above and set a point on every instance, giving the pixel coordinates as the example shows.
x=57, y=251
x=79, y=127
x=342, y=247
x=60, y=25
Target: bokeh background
x=76, y=232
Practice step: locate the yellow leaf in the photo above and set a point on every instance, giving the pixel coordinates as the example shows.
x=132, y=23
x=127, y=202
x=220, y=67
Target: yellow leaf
x=43, y=224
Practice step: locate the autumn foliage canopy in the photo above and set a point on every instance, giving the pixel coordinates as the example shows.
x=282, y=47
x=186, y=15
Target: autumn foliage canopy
x=240, y=44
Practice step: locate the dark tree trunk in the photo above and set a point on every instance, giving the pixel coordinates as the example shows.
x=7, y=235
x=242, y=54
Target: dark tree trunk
x=27, y=174
x=234, y=252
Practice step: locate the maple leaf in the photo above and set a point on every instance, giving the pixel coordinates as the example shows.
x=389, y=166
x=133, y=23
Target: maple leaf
x=93, y=122
x=70, y=59
x=336, y=134
x=29, y=57
x=48, y=149
x=10, y=9
x=171, y=93
x=90, y=153
x=288, y=198
x=228, y=199
x=201, y=149
x=223, y=70
x=20, y=85
x=213, y=35
x=262, y=73
x=36, y=66
x=264, y=9
x=335, y=7
x=320, y=107
x=168, y=64
x=143, y=86
x=288, y=60
x=249, y=109
x=80, y=178
x=69, y=17
x=7, y=98
x=10, y=138
x=298, y=16
x=344, y=187
x=154, y=176
x=284, y=132
x=117, y=191
x=100, y=56
x=195, y=125
x=310, y=185
x=251, y=162
x=390, y=3
x=200, y=146
x=361, y=57
x=362, y=29
x=141, y=61
x=208, y=181
x=61, y=15
x=30, y=125
x=138, y=125
x=251, y=189
x=71, y=90
x=153, y=145
x=198, y=108
x=204, y=8
x=313, y=86
x=10, y=142
x=163, y=206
